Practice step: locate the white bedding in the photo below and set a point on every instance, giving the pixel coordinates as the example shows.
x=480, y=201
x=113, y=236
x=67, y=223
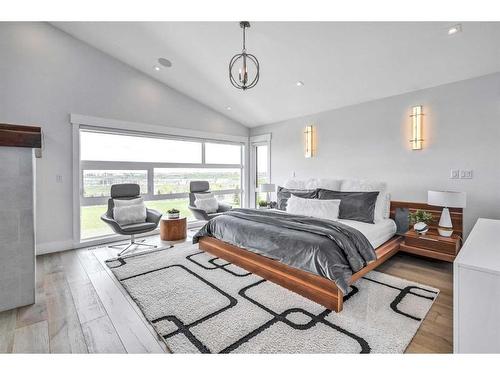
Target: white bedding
x=376, y=233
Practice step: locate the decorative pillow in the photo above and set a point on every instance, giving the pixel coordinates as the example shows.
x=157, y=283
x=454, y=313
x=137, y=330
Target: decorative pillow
x=359, y=206
x=127, y=202
x=382, y=206
x=210, y=205
x=283, y=194
x=323, y=183
x=131, y=211
x=295, y=184
x=322, y=209
x=203, y=195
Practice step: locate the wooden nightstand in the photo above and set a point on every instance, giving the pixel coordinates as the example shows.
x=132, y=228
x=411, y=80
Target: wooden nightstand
x=173, y=229
x=432, y=245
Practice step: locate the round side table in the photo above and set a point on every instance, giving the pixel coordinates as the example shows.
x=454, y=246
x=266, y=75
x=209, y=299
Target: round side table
x=173, y=229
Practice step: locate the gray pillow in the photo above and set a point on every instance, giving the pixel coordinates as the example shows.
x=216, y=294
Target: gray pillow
x=283, y=194
x=359, y=206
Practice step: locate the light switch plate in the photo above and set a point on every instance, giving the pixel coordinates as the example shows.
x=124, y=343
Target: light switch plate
x=466, y=173
x=455, y=173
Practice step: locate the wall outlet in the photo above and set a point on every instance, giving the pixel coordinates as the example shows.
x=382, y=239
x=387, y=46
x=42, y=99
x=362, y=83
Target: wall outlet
x=466, y=173
x=455, y=173
x=59, y=179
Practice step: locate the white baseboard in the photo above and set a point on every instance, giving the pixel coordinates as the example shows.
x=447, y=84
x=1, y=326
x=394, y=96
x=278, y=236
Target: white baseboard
x=53, y=247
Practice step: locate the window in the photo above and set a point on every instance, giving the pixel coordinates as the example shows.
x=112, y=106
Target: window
x=97, y=183
x=219, y=153
x=261, y=170
x=124, y=147
x=163, y=168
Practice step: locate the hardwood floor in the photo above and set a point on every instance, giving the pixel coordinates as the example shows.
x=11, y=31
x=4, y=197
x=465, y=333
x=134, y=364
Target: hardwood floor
x=81, y=308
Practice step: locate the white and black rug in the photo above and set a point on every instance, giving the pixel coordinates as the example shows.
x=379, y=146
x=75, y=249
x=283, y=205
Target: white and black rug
x=201, y=304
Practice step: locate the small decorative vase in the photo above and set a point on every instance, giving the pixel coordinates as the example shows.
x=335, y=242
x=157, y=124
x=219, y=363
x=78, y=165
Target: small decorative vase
x=421, y=227
x=173, y=216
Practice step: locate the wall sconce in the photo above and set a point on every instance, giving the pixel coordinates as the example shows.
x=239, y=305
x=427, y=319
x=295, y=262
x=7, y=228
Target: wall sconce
x=416, y=127
x=308, y=149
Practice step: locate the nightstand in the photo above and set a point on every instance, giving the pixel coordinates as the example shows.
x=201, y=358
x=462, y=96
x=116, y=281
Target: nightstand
x=432, y=245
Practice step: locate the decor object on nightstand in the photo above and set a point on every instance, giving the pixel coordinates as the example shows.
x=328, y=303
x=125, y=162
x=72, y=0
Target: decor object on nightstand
x=420, y=220
x=262, y=203
x=268, y=189
x=173, y=213
x=446, y=199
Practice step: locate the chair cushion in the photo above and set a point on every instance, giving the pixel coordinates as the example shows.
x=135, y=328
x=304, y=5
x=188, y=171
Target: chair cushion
x=129, y=211
x=203, y=195
x=138, y=227
x=125, y=190
x=198, y=186
x=209, y=205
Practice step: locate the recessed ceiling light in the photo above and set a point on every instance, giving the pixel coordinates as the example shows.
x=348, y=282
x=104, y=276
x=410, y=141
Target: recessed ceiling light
x=165, y=62
x=455, y=29
x=157, y=68
x=228, y=108
x=300, y=83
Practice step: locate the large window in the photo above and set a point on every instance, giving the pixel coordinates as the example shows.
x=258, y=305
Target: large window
x=261, y=170
x=163, y=168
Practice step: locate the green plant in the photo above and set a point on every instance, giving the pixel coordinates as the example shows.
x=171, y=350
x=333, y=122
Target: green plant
x=262, y=203
x=173, y=211
x=420, y=216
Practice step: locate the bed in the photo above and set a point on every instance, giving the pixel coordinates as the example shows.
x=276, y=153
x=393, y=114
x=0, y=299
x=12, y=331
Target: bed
x=311, y=256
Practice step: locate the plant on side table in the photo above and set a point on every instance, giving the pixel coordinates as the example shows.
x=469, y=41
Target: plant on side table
x=262, y=203
x=420, y=220
x=173, y=213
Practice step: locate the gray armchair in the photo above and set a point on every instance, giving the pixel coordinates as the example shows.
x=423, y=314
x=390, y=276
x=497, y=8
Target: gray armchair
x=129, y=191
x=200, y=187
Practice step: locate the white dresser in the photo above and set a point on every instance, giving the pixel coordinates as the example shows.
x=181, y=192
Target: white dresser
x=476, y=290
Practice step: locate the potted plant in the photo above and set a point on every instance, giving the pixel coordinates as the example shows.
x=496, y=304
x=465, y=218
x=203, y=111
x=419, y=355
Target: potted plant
x=173, y=213
x=262, y=203
x=420, y=220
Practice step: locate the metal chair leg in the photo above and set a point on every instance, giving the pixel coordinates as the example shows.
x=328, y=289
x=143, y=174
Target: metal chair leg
x=134, y=243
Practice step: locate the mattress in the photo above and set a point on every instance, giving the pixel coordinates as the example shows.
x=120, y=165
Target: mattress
x=376, y=233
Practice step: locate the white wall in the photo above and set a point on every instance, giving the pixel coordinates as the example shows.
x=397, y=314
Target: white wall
x=370, y=140
x=45, y=75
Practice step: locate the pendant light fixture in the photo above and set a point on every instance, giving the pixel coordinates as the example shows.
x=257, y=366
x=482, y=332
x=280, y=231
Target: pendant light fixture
x=244, y=67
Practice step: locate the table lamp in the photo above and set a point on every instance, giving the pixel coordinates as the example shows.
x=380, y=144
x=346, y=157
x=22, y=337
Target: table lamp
x=267, y=188
x=446, y=199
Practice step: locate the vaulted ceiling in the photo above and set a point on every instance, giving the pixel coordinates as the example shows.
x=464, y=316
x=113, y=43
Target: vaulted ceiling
x=340, y=63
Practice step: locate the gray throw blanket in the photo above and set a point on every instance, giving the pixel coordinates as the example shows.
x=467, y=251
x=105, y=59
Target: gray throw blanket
x=324, y=247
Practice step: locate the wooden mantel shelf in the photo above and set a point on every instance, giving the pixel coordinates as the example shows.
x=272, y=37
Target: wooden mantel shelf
x=20, y=136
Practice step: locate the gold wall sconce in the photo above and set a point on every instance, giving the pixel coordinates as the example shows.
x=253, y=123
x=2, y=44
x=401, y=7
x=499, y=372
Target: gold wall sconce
x=416, y=127
x=308, y=146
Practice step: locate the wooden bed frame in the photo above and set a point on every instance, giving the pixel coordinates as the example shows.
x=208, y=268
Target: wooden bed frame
x=312, y=286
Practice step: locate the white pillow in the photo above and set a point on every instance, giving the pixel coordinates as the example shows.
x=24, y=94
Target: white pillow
x=129, y=214
x=323, y=183
x=294, y=184
x=128, y=202
x=382, y=205
x=320, y=208
x=203, y=195
x=209, y=205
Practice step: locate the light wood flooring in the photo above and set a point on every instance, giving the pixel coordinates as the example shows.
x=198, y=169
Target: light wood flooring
x=81, y=308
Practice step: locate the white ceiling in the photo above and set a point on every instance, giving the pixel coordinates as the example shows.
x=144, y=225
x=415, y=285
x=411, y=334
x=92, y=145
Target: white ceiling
x=341, y=63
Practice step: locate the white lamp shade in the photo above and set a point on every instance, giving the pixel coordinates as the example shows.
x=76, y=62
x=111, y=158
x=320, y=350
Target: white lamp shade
x=267, y=188
x=446, y=198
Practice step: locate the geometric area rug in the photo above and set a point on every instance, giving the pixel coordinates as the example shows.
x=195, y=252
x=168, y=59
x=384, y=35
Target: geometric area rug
x=199, y=303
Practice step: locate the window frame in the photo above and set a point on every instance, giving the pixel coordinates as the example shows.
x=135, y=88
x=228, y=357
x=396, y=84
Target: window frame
x=256, y=141
x=80, y=165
